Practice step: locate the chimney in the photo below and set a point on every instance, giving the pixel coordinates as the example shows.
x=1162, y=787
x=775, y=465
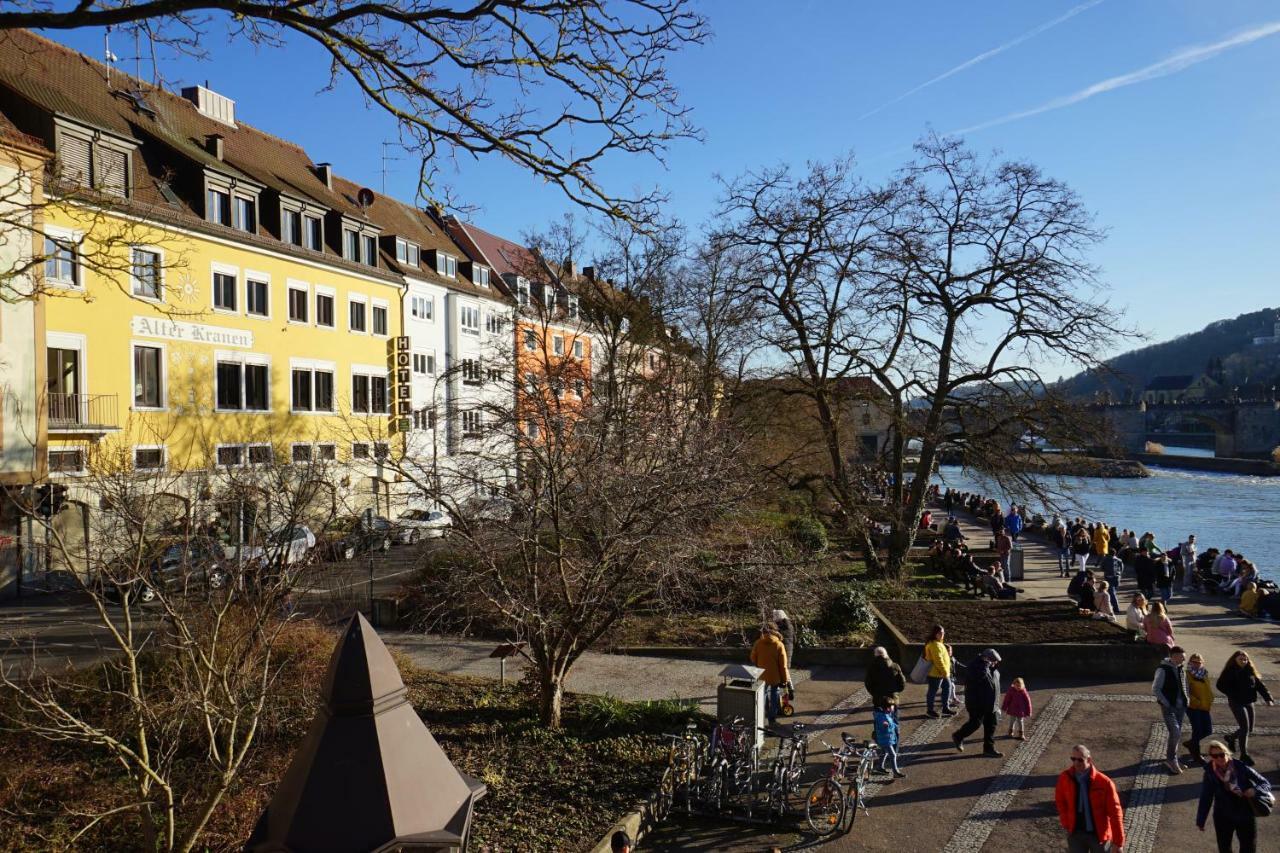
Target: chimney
x=213, y=144
x=590, y=273
x=212, y=105
x=325, y=172
x=570, y=267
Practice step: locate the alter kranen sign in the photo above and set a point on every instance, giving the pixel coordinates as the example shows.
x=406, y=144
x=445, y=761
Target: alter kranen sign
x=195, y=333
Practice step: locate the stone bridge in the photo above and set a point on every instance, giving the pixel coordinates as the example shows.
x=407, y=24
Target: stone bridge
x=1242, y=428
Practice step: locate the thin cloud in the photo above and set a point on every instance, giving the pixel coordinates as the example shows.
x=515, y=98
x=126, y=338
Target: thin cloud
x=983, y=57
x=1180, y=61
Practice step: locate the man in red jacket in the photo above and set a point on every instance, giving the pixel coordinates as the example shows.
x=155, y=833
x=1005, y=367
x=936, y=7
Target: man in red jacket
x=1089, y=807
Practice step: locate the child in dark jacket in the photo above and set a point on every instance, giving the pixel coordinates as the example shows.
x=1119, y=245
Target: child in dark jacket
x=1017, y=704
x=886, y=734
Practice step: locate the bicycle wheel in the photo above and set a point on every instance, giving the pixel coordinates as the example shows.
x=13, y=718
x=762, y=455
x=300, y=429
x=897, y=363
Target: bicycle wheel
x=824, y=806
x=665, y=796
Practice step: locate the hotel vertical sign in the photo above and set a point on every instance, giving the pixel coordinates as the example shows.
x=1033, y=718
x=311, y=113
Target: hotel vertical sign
x=401, y=358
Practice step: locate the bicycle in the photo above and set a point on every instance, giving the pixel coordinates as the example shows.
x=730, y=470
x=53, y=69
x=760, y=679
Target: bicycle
x=788, y=767
x=843, y=791
x=684, y=767
x=730, y=764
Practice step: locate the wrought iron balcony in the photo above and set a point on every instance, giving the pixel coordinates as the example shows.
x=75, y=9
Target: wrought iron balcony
x=83, y=412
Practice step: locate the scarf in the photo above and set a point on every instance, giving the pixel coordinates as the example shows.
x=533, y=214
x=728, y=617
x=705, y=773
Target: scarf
x=1227, y=776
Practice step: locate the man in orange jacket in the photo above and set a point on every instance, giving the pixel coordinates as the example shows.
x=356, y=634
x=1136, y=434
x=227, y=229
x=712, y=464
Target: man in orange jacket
x=770, y=654
x=1089, y=807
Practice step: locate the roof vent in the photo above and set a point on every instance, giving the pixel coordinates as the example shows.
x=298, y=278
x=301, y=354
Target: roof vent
x=590, y=273
x=212, y=105
x=213, y=144
x=325, y=172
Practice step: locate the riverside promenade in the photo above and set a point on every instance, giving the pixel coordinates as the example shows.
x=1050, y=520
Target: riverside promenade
x=960, y=802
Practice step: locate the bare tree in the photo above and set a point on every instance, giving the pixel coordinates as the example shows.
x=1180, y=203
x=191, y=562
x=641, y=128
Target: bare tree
x=461, y=78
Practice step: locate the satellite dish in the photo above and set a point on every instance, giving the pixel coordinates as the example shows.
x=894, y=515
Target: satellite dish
x=365, y=197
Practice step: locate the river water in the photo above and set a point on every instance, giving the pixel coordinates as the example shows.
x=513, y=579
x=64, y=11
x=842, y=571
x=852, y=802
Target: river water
x=1222, y=510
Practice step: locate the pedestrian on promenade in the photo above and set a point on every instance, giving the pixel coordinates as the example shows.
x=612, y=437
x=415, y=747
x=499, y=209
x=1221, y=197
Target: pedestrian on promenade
x=997, y=519
x=1144, y=573
x=1089, y=806
x=1230, y=786
x=1188, y=552
x=1004, y=546
x=938, y=654
x=786, y=630
x=1101, y=541
x=1199, y=706
x=884, y=679
x=1061, y=540
x=981, y=695
x=1017, y=704
x=1164, y=577
x=1157, y=627
x=1136, y=616
x=884, y=719
x=1013, y=523
x=1170, y=689
x=1112, y=572
x=1242, y=685
x=770, y=654
x=1081, y=547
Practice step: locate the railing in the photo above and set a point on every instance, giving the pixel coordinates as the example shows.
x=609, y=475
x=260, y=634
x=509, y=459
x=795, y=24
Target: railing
x=83, y=411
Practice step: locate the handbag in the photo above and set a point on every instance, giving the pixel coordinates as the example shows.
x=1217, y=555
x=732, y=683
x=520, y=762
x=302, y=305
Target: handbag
x=920, y=672
x=1262, y=803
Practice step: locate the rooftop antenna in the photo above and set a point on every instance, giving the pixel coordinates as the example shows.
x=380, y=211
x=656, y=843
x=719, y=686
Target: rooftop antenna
x=386, y=158
x=137, y=58
x=107, y=55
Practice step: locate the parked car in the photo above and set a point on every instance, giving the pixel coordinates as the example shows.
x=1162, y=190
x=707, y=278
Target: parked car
x=418, y=524
x=289, y=545
x=346, y=538
x=179, y=565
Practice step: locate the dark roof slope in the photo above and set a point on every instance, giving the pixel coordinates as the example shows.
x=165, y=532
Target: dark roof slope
x=1170, y=383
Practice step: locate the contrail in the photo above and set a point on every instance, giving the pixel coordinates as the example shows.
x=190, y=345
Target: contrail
x=982, y=57
x=1181, y=60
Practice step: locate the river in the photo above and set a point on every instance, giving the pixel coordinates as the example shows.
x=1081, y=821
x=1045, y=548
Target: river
x=1222, y=510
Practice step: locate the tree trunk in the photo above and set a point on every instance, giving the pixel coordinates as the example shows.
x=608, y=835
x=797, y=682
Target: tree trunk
x=900, y=541
x=550, y=697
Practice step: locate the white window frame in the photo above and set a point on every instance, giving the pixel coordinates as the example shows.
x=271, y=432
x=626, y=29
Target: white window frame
x=495, y=322
x=524, y=293
x=291, y=285
x=223, y=269
x=529, y=340
x=463, y=310
x=313, y=365
x=73, y=240
x=243, y=359
x=83, y=450
x=386, y=307
x=368, y=447
x=446, y=265
x=467, y=415
x=244, y=455
x=332, y=293
x=306, y=232
x=481, y=274
x=557, y=344
x=164, y=375
x=263, y=278
x=134, y=281
x=248, y=451
x=320, y=445
x=348, y=248
x=370, y=371
x=428, y=301
x=311, y=451
x=360, y=299
x=429, y=358
x=164, y=457
x=578, y=348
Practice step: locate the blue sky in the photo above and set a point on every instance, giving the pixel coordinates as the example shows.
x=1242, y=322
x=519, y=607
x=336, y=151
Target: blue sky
x=1181, y=168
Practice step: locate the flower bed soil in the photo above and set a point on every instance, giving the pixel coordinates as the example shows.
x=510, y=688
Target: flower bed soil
x=996, y=622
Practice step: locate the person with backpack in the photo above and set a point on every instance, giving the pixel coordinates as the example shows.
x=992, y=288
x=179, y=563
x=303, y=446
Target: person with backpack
x=1233, y=789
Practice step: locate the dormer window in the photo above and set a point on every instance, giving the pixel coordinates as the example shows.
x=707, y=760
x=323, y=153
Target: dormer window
x=350, y=245
x=369, y=250
x=522, y=292
x=312, y=233
x=217, y=207
x=446, y=265
x=230, y=201
x=246, y=214
x=291, y=226
x=90, y=158
x=407, y=253
x=359, y=241
x=571, y=307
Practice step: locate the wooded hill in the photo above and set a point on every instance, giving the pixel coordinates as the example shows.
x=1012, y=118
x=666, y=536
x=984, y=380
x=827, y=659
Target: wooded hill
x=1244, y=365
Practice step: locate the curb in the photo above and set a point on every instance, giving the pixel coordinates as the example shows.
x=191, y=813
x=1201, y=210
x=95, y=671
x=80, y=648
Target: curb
x=854, y=656
x=635, y=823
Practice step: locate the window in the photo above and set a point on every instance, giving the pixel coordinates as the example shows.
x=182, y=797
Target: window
x=379, y=320
x=424, y=363
x=224, y=291
x=147, y=378
x=531, y=382
x=493, y=374
x=66, y=461
x=217, y=206
x=350, y=245
x=291, y=227
x=324, y=309
x=146, y=273
x=369, y=394
x=531, y=429
x=111, y=171
x=424, y=418
x=378, y=394
x=260, y=454
x=481, y=275
x=297, y=305
x=470, y=372
x=471, y=423
x=357, y=312
x=360, y=393
x=327, y=452
x=241, y=387
x=301, y=453
x=530, y=340
x=557, y=344
x=469, y=317
x=446, y=265
x=312, y=390
x=246, y=214
x=369, y=255
x=572, y=307
x=579, y=388
x=75, y=156
x=577, y=349
x=422, y=307
x=557, y=387
x=494, y=323
x=257, y=296
x=60, y=265
x=324, y=391
x=148, y=457
x=381, y=450
x=402, y=251
x=230, y=456
x=312, y=233
x=360, y=450
x=653, y=361
x=522, y=292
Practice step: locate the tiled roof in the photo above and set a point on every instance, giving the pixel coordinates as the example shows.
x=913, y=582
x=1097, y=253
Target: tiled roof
x=10, y=133
x=505, y=256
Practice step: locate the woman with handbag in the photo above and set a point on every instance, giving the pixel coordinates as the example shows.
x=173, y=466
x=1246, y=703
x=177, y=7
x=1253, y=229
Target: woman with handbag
x=938, y=654
x=1239, y=796
x=1242, y=686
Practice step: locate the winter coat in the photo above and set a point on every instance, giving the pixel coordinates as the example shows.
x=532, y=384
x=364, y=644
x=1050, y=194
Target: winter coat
x=886, y=727
x=769, y=654
x=1013, y=523
x=1101, y=541
x=981, y=686
x=1227, y=804
x=1240, y=686
x=1017, y=702
x=1201, y=691
x=1104, y=803
x=884, y=678
x=935, y=652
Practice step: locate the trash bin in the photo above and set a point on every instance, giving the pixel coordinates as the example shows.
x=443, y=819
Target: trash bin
x=1015, y=563
x=741, y=694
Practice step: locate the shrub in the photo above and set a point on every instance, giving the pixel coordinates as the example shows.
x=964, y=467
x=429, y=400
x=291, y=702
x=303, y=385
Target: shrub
x=807, y=638
x=847, y=611
x=807, y=533
x=605, y=713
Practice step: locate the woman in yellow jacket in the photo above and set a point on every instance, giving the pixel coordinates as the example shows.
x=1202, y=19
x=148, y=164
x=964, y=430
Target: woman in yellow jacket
x=770, y=654
x=1200, y=689
x=1101, y=540
x=938, y=654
